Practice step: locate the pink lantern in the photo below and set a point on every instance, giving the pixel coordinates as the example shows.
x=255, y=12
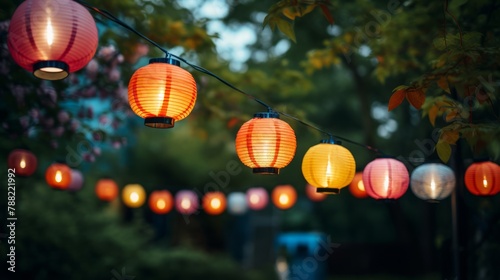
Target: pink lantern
x=386, y=178
x=257, y=198
x=76, y=180
x=186, y=202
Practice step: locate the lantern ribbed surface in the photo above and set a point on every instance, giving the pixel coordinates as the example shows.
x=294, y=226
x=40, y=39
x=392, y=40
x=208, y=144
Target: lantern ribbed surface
x=133, y=195
x=161, y=202
x=483, y=178
x=385, y=178
x=214, y=203
x=106, y=189
x=162, y=93
x=23, y=161
x=266, y=144
x=284, y=196
x=432, y=181
x=58, y=176
x=52, y=38
x=328, y=165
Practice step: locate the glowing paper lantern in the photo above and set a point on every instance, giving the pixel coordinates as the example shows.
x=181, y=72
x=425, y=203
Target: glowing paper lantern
x=257, y=198
x=162, y=93
x=186, y=202
x=76, y=180
x=357, y=187
x=52, y=38
x=58, y=176
x=237, y=203
x=284, y=196
x=313, y=195
x=106, y=189
x=23, y=161
x=161, y=202
x=483, y=178
x=386, y=178
x=328, y=165
x=266, y=143
x=432, y=181
x=214, y=203
x=133, y=195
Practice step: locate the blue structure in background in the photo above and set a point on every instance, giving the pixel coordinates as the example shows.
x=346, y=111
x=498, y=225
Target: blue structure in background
x=306, y=254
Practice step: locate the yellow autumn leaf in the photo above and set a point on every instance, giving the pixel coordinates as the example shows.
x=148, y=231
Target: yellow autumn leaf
x=444, y=151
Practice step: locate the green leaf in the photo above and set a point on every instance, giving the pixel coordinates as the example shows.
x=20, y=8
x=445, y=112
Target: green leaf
x=439, y=43
x=444, y=151
x=286, y=28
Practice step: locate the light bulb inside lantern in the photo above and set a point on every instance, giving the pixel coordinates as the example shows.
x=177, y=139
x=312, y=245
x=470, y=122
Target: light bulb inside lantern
x=185, y=203
x=485, y=182
x=22, y=164
x=215, y=203
x=254, y=199
x=433, y=189
x=160, y=204
x=49, y=32
x=361, y=186
x=284, y=199
x=386, y=183
x=58, y=176
x=134, y=197
x=328, y=171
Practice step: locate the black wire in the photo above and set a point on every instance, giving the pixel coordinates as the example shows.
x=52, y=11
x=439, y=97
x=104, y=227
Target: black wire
x=111, y=17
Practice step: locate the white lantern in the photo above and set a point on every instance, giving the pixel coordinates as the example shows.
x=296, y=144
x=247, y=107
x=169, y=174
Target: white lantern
x=432, y=181
x=237, y=203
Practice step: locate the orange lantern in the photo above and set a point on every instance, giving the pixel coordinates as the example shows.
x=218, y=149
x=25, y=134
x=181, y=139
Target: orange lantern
x=313, y=195
x=58, y=176
x=386, y=178
x=52, y=38
x=106, y=189
x=266, y=143
x=328, y=166
x=284, y=196
x=24, y=162
x=162, y=93
x=214, y=203
x=357, y=187
x=133, y=195
x=161, y=202
x=483, y=178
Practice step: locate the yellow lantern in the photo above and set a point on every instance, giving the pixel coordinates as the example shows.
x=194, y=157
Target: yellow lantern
x=328, y=166
x=133, y=195
x=266, y=143
x=162, y=93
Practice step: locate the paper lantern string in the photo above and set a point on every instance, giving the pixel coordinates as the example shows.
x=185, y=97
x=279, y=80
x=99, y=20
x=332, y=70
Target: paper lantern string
x=200, y=69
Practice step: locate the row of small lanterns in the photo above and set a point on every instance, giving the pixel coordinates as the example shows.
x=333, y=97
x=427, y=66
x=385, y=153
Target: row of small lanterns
x=55, y=38
x=383, y=178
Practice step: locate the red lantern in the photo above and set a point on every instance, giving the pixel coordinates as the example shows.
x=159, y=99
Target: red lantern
x=24, y=162
x=357, y=187
x=106, y=189
x=386, y=178
x=162, y=93
x=52, y=38
x=313, y=195
x=58, y=176
x=161, y=202
x=483, y=178
x=284, y=196
x=266, y=143
x=214, y=203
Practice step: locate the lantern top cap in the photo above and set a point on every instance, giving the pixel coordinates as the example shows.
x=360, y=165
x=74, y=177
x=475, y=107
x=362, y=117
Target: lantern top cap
x=267, y=115
x=330, y=140
x=167, y=60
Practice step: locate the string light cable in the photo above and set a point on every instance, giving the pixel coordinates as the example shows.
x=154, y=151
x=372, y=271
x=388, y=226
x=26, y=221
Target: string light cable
x=200, y=69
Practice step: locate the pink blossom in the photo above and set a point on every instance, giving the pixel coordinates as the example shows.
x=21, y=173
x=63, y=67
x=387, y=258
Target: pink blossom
x=63, y=117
